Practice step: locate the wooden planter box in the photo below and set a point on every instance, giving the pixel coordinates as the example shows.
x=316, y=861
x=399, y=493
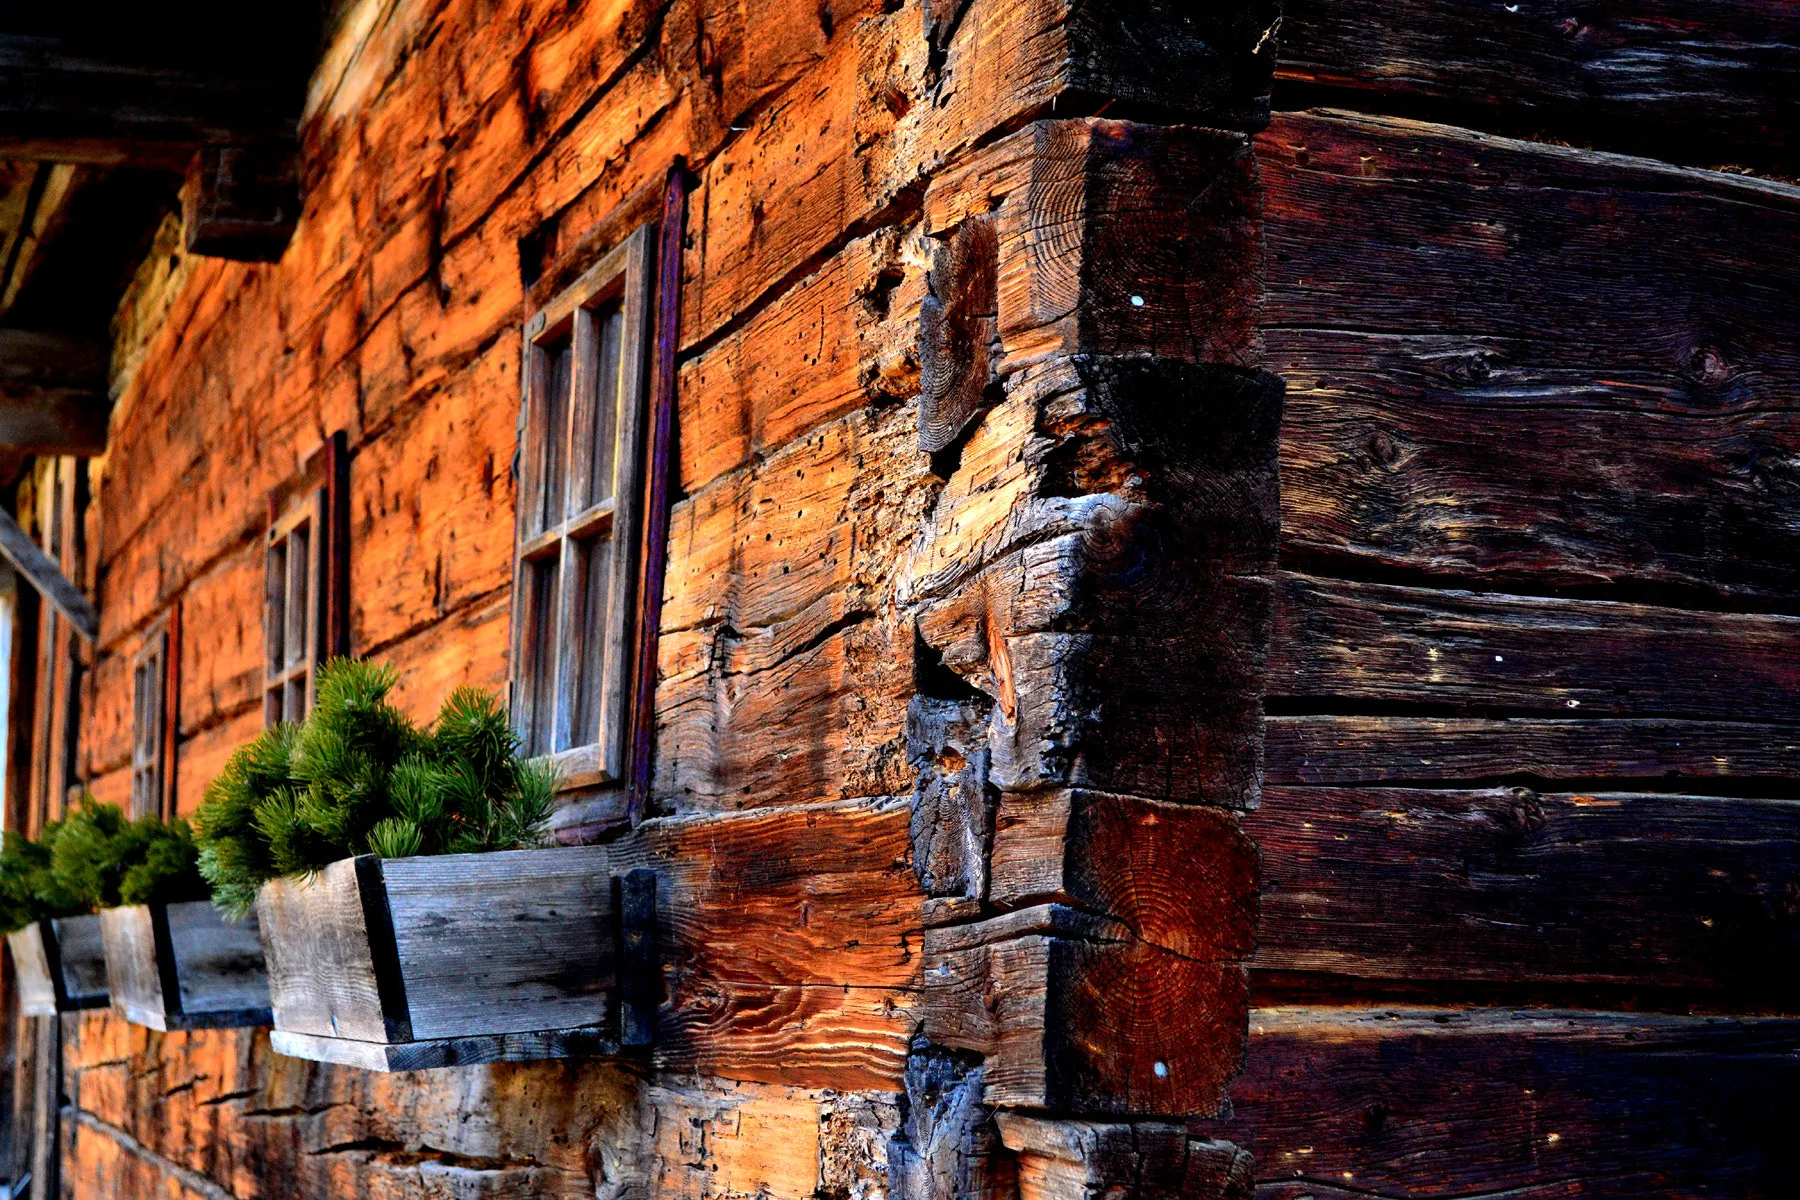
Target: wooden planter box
x=403, y=964
x=183, y=966
x=61, y=964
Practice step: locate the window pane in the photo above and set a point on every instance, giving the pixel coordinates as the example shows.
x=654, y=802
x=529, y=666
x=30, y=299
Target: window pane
x=609, y=329
x=298, y=594
x=560, y=364
x=595, y=562
x=275, y=597
x=540, y=654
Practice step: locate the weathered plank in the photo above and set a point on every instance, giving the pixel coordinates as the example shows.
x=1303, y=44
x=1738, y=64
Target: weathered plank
x=1350, y=749
x=183, y=966
x=1180, y=876
x=1510, y=885
x=43, y=574
x=1435, y=294
x=32, y=971
x=322, y=974
x=1440, y=1102
x=1070, y=1012
x=432, y=1053
x=503, y=943
x=1381, y=644
x=1684, y=80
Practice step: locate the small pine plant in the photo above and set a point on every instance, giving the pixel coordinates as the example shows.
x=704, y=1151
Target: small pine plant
x=95, y=858
x=105, y=860
x=357, y=777
x=30, y=889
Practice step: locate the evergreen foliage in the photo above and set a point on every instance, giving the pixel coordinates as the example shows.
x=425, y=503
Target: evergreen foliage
x=96, y=858
x=357, y=777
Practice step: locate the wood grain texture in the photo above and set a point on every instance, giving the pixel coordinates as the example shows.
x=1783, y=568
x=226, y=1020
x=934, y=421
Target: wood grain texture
x=1511, y=885
x=958, y=333
x=1678, y=79
x=1382, y=644
x=321, y=967
x=1440, y=1103
x=1063, y=1159
x=31, y=971
x=1181, y=877
x=503, y=943
x=1352, y=749
x=183, y=966
x=1433, y=294
x=1103, y=1026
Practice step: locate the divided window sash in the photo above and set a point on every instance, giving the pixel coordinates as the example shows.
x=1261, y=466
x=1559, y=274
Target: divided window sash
x=293, y=609
x=149, y=724
x=582, y=435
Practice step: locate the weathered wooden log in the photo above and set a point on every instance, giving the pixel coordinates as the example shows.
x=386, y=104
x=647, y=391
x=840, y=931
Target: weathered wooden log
x=61, y=965
x=1510, y=885
x=1060, y=1159
x=1687, y=80
x=1414, y=648
x=183, y=966
x=958, y=333
x=1178, y=876
x=1073, y=1013
x=1390, y=1101
x=1326, y=749
x=395, y=964
x=1428, y=302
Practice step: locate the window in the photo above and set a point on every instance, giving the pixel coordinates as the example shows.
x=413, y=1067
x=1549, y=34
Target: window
x=150, y=720
x=293, y=615
x=581, y=476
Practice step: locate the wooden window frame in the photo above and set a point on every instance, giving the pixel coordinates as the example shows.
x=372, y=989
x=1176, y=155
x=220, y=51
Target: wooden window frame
x=153, y=688
x=284, y=670
x=599, y=757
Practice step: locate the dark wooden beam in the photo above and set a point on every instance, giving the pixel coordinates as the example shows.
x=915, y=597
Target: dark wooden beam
x=44, y=575
x=134, y=93
x=241, y=202
x=52, y=393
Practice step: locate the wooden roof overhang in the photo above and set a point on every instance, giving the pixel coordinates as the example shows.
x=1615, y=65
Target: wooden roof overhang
x=106, y=110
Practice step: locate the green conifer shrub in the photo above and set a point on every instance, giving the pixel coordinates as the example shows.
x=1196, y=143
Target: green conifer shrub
x=95, y=858
x=358, y=777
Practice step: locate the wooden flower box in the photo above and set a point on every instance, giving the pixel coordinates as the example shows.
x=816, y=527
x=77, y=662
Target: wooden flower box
x=403, y=964
x=61, y=965
x=184, y=966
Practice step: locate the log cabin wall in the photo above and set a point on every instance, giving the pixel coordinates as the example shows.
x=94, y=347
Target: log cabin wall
x=1096, y=492
x=1527, y=821
x=913, y=875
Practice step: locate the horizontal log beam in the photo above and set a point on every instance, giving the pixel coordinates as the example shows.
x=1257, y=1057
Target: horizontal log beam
x=1354, y=749
x=1340, y=1103
x=1508, y=885
x=1592, y=395
x=1689, y=80
x=1072, y=1013
x=1409, y=647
